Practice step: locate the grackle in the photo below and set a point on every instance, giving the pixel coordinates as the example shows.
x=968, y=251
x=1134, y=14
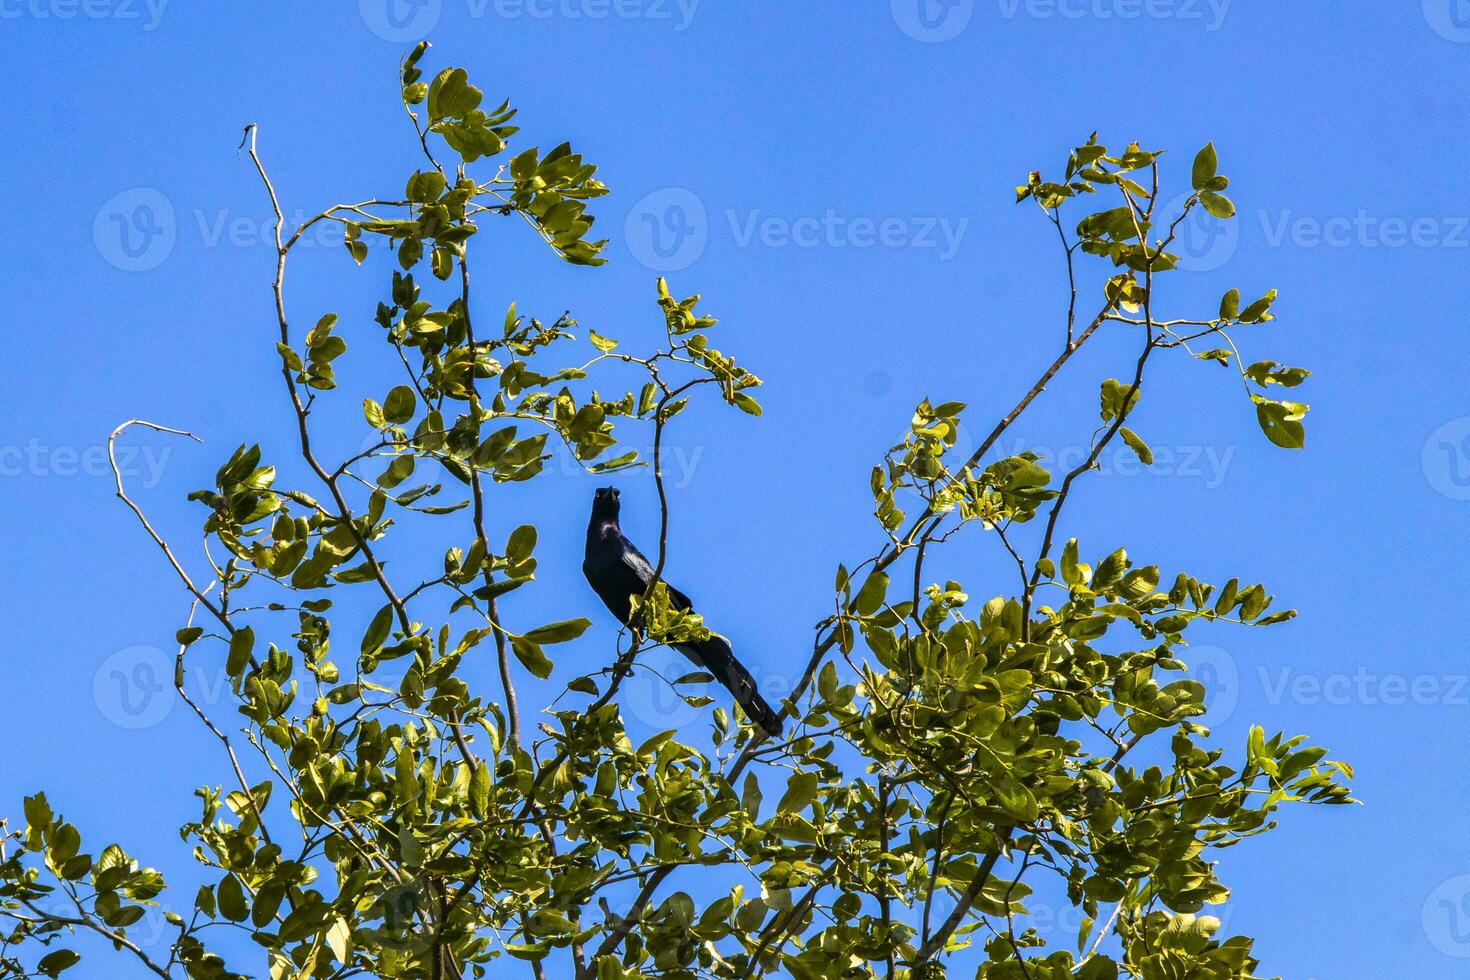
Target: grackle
x=617, y=572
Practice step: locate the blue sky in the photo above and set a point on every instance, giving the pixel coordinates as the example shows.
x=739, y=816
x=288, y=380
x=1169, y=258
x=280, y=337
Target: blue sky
x=836, y=179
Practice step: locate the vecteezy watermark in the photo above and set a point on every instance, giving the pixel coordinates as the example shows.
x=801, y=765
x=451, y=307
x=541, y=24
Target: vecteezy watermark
x=1225, y=681
x=401, y=21
x=1446, y=459
x=1450, y=19
x=148, y=13
x=1365, y=230
x=932, y=21
x=1211, y=13
x=1215, y=669
x=135, y=229
x=1202, y=241
x=1209, y=464
x=669, y=230
x=655, y=700
x=1364, y=687
x=37, y=459
x=1446, y=918
x=134, y=687
x=834, y=230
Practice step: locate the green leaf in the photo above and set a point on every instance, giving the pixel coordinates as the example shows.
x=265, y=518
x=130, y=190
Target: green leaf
x=339, y=939
x=378, y=629
x=1140, y=448
x=746, y=404
x=1257, y=311
x=1267, y=373
x=399, y=406
x=53, y=963
x=1205, y=165
x=604, y=344
x=567, y=629
x=479, y=798
x=521, y=543
x=1281, y=421
x=801, y=789
x=231, y=899
x=870, y=597
x=1230, y=305
x=1217, y=204
x=241, y=644
x=1117, y=399
x=531, y=657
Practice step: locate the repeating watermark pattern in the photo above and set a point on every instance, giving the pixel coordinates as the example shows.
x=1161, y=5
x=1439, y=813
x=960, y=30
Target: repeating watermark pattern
x=1216, y=669
x=932, y=21
x=1224, y=682
x=1202, y=241
x=1364, y=229
x=36, y=459
x=1446, y=459
x=1207, y=464
x=152, y=931
x=1205, y=243
x=148, y=14
x=1446, y=918
x=1210, y=14
x=134, y=687
x=135, y=229
x=1450, y=19
x=1364, y=687
x=401, y=21
x=650, y=696
x=669, y=230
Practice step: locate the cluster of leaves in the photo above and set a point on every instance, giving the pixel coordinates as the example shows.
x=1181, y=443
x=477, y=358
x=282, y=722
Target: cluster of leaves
x=941, y=765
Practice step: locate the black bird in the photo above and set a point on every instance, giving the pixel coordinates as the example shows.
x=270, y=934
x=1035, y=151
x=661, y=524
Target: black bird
x=617, y=572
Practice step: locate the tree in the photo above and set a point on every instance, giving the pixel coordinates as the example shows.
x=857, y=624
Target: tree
x=943, y=757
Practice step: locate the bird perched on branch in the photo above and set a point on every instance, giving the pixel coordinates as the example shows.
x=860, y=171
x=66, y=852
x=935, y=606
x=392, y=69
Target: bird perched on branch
x=618, y=573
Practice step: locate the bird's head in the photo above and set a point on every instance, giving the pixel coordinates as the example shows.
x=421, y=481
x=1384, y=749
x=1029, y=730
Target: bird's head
x=605, y=504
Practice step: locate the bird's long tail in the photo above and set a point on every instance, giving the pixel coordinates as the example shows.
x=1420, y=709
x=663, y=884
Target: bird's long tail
x=715, y=656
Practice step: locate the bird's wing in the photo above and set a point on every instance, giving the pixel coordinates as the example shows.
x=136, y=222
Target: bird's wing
x=634, y=559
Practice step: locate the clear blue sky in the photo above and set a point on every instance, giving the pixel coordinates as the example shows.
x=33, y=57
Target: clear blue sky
x=755, y=151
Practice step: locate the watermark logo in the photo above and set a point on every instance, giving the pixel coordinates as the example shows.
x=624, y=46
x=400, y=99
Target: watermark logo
x=667, y=231
x=1450, y=19
x=400, y=21
x=148, y=12
x=679, y=13
x=1365, y=230
x=135, y=230
x=1446, y=918
x=1446, y=459
x=133, y=688
x=36, y=459
x=1210, y=13
x=1216, y=670
x=932, y=21
x=1202, y=241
